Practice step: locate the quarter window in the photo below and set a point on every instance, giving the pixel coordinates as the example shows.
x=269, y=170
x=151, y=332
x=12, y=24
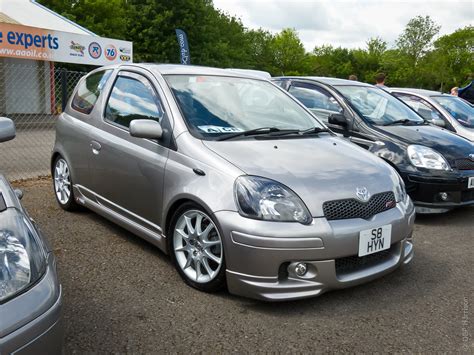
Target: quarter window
x=318, y=101
x=89, y=91
x=132, y=99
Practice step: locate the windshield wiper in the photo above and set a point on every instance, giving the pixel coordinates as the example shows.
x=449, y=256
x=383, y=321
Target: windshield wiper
x=252, y=132
x=404, y=121
x=287, y=132
x=272, y=132
x=314, y=130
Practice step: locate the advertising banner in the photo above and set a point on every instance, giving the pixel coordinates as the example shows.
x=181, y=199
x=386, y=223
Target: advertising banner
x=183, y=46
x=17, y=41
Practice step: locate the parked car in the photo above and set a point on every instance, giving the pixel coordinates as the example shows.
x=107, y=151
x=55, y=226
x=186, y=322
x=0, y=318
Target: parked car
x=232, y=177
x=444, y=110
x=436, y=165
x=30, y=294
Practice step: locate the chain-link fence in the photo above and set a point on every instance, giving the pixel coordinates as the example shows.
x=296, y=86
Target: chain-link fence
x=33, y=95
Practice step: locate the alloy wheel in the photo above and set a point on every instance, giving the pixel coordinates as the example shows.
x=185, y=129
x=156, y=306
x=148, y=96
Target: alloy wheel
x=62, y=181
x=197, y=246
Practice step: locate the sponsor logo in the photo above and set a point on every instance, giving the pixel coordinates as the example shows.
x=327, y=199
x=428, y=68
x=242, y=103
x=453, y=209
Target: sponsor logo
x=110, y=52
x=125, y=58
x=27, y=40
x=77, y=48
x=124, y=50
x=95, y=50
x=471, y=156
x=362, y=194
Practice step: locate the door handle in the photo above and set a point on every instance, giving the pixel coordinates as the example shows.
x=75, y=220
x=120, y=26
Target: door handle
x=96, y=147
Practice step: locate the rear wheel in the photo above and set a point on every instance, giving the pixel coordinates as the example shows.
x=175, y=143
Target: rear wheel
x=62, y=183
x=196, y=248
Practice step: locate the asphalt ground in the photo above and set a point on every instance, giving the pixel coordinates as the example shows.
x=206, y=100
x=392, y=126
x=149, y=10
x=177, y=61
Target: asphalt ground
x=123, y=295
x=28, y=155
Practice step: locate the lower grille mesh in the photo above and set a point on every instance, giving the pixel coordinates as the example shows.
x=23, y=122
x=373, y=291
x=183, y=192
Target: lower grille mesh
x=355, y=263
x=464, y=164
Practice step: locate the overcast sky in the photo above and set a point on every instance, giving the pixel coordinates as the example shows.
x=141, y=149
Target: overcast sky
x=346, y=23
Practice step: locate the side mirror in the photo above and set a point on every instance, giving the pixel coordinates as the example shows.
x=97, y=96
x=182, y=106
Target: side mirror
x=7, y=129
x=337, y=119
x=438, y=122
x=18, y=193
x=146, y=129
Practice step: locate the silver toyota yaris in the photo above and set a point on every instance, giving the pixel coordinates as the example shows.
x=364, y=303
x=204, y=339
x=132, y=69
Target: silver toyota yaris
x=232, y=177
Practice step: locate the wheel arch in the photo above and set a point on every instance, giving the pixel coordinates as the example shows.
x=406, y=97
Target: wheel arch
x=176, y=204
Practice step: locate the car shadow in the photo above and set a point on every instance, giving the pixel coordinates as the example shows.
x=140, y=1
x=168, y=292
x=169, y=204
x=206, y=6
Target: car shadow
x=127, y=236
x=456, y=216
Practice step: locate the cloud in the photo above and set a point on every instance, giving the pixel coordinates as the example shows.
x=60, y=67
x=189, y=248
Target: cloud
x=346, y=23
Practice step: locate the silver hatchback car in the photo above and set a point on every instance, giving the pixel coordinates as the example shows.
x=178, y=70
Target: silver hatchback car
x=232, y=177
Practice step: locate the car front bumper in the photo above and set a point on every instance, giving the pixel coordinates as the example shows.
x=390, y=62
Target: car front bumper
x=31, y=323
x=427, y=191
x=261, y=256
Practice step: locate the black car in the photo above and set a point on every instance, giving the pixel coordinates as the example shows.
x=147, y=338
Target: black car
x=436, y=165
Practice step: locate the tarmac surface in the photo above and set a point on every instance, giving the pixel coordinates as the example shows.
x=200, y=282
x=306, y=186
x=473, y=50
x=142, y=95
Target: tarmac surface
x=28, y=155
x=121, y=294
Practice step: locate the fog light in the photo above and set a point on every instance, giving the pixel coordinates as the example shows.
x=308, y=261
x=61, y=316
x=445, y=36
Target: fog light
x=443, y=196
x=300, y=269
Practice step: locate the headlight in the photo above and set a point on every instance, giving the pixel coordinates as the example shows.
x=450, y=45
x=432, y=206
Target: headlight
x=424, y=157
x=22, y=259
x=400, y=191
x=261, y=198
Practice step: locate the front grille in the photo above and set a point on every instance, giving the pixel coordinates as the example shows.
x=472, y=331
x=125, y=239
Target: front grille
x=352, y=208
x=355, y=263
x=464, y=164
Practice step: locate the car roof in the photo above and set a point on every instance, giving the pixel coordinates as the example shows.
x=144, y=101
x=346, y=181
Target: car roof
x=421, y=92
x=181, y=69
x=326, y=80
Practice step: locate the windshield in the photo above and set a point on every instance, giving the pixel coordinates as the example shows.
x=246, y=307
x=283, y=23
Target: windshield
x=214, y=106
x=460, y=110
x=377, y=106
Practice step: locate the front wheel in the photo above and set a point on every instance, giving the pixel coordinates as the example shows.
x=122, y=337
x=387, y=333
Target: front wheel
x=196, y=248
x=62, y=183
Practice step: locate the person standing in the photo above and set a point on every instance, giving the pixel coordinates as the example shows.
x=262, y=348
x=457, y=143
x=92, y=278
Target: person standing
x=380, y=80
x=455, y=91
x=353, y=77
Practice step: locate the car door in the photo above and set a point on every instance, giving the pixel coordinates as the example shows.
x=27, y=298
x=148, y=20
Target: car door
x=128, y=172
x=75, y=125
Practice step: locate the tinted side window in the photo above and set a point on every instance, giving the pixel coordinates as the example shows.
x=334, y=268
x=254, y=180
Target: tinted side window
x=132, y=99
x=88, y=91
x=424, y=109
x=318, y=101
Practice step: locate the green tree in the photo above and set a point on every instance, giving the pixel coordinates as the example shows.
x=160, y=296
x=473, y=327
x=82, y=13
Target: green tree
x=452, y=60
x=289, y=55
x=417, y=37
x=376, y=47
x=106, y=18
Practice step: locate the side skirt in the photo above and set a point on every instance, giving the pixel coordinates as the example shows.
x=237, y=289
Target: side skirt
x=124, y=218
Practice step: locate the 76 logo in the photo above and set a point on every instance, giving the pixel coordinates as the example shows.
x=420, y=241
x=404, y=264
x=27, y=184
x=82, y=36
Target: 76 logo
x=110, y=52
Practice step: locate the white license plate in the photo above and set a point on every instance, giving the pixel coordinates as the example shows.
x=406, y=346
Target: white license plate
x=470, y=183
x=375, y=239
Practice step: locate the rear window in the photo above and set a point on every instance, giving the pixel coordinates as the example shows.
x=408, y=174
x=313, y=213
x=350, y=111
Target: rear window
x=89, y=91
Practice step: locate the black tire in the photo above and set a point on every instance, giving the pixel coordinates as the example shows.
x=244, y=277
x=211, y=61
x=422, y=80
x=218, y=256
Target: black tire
x=218, y=282
x=69, y=203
